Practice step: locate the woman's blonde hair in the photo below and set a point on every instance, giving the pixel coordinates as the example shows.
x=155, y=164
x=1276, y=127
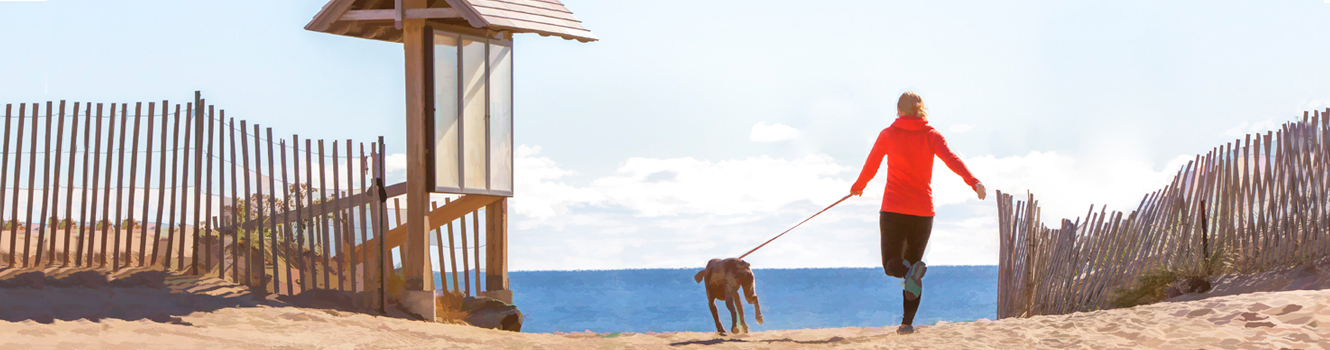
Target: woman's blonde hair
x=911, y=104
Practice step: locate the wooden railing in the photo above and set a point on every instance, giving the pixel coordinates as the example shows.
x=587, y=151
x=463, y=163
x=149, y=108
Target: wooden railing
x=1262, y=201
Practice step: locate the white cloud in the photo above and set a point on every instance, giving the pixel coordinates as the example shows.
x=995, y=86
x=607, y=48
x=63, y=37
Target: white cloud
x=396, y=162
x=772, y=133
x=679, y=212
x=960, y=128
x=1249, y=128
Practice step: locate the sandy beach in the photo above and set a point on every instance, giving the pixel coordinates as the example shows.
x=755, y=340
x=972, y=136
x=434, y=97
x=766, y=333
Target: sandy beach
x=1267, y=320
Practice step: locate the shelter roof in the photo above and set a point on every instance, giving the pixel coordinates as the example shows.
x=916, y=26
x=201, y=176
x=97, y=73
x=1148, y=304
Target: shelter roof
x=374, y=19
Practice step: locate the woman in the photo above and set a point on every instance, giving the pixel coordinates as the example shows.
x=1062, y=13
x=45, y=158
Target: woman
x=906, y=218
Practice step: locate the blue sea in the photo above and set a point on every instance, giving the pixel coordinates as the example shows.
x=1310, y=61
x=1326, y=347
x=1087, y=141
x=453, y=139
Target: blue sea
x=668, y=300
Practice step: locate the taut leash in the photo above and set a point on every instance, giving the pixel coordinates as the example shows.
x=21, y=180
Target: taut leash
x=796, y=225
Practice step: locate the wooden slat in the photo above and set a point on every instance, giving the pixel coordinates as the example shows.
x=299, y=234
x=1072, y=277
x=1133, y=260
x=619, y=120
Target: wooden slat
x=119, y=187
x=235, y=200
x=200, y=122
x=133, y=178
x=287, y=245
x=466, y=268
x=4, y=180
x=475, y=230
x=388, y=14
x=272, y=210
x=171, y=236
x=206, y=239
x=105, y=222
x=381, y=226
x=147, y=185
x=310, y=227
x=69, y=193
x=162, y=184
x=298, y=243
x=86, y=220
x=178, y=232
x=46, y=185
x=350, y=232
x=364, y=262
x=438, y=239
x=32, y=177
x=248, y=202
x=323, y=217
x=259, y=202
x=337, y=229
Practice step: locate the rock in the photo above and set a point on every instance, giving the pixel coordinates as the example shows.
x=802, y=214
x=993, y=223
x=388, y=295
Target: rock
x=486, y=312
x=1188, y=285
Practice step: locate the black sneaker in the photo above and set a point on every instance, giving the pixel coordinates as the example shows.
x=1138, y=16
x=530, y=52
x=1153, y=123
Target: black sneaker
x=904, y=329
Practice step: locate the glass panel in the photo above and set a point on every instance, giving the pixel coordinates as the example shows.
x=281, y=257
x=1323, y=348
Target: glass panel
x=473, y=114
x=501, y=117
x=446, y=172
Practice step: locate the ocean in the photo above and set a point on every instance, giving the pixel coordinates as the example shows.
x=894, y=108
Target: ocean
x=668, y=300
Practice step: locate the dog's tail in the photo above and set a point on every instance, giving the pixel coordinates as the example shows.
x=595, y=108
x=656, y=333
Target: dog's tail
x=700, y=274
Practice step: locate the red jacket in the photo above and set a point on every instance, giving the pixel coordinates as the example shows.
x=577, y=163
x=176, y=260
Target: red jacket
x=911, y=144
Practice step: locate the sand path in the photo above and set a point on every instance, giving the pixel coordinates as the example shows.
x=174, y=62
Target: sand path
x=1290, y=319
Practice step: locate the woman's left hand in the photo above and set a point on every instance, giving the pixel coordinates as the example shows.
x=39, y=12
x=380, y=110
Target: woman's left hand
x=980, y=190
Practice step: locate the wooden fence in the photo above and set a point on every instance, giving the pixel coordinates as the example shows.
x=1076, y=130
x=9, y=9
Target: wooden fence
x=1261, y=201
x=119, y=188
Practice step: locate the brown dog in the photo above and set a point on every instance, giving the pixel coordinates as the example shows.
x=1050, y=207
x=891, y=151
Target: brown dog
x=724, y=278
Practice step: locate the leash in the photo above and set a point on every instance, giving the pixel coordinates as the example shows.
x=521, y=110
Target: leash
x=796, y=225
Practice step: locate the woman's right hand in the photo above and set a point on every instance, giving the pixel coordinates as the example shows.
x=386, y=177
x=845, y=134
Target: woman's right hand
x=856, y=193
x=980, y=190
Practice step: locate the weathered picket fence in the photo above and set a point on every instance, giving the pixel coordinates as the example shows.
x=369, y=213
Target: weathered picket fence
x=1261, y=199
x=226, y=201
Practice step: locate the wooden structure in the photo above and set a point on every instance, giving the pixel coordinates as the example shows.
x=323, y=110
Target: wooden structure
x=1261, y=199
x=125, y=188
x=458, y=59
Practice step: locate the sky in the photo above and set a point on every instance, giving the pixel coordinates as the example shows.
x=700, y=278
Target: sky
x=699, y=129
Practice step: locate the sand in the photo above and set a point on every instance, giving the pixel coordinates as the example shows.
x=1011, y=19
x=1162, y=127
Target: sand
x=1272, y=320
x=209, y=314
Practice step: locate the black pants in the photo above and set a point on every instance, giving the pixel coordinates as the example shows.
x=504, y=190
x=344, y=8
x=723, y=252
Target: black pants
x=904, y=237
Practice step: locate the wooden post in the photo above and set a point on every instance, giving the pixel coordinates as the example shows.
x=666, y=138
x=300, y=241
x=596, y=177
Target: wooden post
x=4, y=177
x=133, y=178
x=119, y=187
x=496, y=250
x=147, y=180
x=171, y=233
x=206, y=238
x=272, y=212
x=106, y=190
x=32, y=177
x=286, y=248
x=249, y=204
x=69, y=193
x=418, y=44
x=84, y=218
x=161, y=184
x=46, y=183
x=323, y=215
x=417, y=39
x=298, y=243
x=235, y=203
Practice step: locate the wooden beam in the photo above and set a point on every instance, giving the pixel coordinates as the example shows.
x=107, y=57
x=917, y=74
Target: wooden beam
x=391, y=14
x=437, y=218
x=496, y=246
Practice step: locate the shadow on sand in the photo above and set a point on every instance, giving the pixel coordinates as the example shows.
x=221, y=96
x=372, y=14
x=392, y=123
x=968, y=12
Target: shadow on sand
x=44, y=296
